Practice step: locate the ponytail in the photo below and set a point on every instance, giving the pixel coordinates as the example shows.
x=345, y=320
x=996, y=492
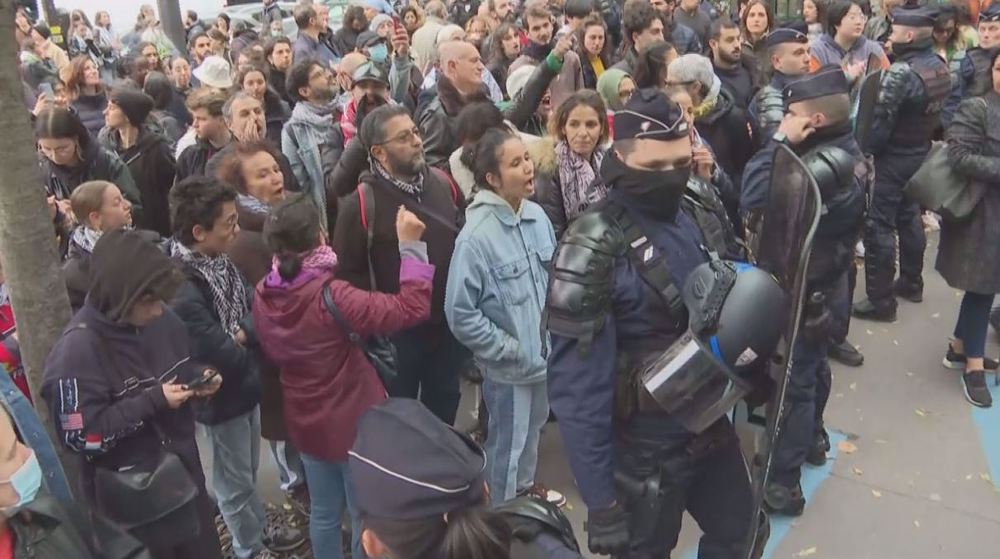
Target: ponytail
x=289, y=265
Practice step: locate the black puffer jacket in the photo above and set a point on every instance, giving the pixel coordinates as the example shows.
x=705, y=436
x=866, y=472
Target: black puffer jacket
x=151, y=163
x=725, y=129
x=98, y=164
x=90, y=109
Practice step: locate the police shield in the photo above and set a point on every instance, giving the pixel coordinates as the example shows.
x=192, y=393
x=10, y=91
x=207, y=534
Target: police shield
x=867, y=98
x=783, y=243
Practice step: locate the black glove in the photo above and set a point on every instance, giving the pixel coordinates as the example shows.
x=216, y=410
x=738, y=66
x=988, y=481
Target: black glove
x=607, y=530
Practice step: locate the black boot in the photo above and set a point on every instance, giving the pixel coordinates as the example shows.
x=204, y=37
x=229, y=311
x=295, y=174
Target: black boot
x=846, y=353
x=865, y=309
x=911, y=291
x=786, y=501
x=817, y=454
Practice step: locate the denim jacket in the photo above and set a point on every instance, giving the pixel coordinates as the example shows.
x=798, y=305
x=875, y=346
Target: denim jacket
x=497, y=284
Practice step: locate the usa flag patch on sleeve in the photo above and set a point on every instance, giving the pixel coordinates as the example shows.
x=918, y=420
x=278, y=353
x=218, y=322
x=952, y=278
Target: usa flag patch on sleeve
x=71, y=421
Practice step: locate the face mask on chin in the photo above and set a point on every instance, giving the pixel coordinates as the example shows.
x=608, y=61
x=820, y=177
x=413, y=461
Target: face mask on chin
x=26, y=482
x=378, y=53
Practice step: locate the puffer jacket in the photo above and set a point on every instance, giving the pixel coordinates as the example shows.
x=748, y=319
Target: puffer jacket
x=150, y=161
x=497, y=284
x=90, y=109
x=725, y=129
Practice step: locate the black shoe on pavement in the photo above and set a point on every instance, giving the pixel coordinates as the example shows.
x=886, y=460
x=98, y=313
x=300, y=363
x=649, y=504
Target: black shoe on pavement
x=785, y=501
x=282, y=536
x=976, y=392
x=817, y=454
x=866, y=310
x=846, y=353
x=956, y=361
x=908, y=290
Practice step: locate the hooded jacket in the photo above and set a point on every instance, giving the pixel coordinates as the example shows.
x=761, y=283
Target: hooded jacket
x=194, y=159
x=151, y=163
x=725, y=130
x=327, y=380
x=497, y=284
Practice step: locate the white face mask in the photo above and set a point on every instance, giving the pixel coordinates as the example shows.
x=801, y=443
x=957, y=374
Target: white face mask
x=26, y=481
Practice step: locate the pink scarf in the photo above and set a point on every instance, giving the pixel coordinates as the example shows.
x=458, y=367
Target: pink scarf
x=321, y=258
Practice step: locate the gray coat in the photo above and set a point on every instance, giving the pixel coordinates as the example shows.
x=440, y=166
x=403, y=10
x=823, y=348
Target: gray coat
x=969, y=258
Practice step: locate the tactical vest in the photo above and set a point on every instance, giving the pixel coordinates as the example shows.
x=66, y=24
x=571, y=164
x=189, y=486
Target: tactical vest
x=770, y=109
x=919, y=117
x=982, y=76
x=540, y=529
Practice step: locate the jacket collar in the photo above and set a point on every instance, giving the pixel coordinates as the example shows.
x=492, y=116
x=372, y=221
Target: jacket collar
x=500, y=208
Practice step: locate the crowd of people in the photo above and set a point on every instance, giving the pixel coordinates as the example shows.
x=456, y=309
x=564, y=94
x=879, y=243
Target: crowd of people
x=313, y=241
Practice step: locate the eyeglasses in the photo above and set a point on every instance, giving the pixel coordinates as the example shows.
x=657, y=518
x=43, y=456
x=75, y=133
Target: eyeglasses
x=860, y=17
x=404, y=137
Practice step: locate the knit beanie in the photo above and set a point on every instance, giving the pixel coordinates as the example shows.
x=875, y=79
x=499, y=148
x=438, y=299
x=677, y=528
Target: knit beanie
x=135, y=104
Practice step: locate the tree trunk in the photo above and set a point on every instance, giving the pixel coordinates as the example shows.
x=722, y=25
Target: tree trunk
x=170, y=18
x=28, y=250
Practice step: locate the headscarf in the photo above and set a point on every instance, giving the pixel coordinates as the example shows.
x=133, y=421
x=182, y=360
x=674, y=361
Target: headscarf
x=607, y=86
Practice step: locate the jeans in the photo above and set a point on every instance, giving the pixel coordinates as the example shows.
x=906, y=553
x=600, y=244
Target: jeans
x=289, y=462
x=973, y=322
x=329, y=487
x=429, y=361
x=517, y=413
x=235, y=448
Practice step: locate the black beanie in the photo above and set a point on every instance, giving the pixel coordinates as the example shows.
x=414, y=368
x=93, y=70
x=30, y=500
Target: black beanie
x=135, y=104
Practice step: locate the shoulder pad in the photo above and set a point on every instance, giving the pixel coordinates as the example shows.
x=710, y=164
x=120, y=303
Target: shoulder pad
x=893, y=82
x=832, y=167
x=527, y=515
x=770, y=107
x=580, y=280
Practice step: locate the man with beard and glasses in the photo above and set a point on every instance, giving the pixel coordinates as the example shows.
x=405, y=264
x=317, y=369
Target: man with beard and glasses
x=606, y=315
x=538, y=24
x=737, y=72
x=429, y=357
x=310, y=130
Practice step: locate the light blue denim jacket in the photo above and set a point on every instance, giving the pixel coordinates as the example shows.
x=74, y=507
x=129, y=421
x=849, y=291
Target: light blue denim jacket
x=497, y=284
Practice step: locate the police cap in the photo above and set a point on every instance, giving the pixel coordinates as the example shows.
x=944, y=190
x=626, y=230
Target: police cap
x=650, y=115
x=828, y=80
x=914, y=17
x=785, y=35
x=991, y=13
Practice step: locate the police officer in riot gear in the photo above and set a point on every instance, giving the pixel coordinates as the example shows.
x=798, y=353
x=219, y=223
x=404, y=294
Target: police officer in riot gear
x=788, y=51
x=613, y=302
x=818, y=129
x=974, y=75
x=908, y=113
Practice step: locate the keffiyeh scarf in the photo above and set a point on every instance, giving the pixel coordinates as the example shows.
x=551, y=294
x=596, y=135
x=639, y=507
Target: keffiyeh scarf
x=578, y=180
x=85, y=238
x=413, y=189
x=230, y=295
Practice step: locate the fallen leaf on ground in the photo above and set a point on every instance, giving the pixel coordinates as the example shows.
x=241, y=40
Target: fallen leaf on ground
x=895, y=342
x=920, y=412
x=854, y=386
x=968, y=477
x=807, y=552
x=857, y=471
x=936, y=315
x=909, y=373
x=839, y=395
x=878, y=494
x=916, y=523
x=847, y=447
x=984, y=477
x=869, y=332
x=935, y=497
x=881, y=441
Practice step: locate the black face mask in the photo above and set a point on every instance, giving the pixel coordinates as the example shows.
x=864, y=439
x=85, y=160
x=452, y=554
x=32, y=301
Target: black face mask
x=658, y=193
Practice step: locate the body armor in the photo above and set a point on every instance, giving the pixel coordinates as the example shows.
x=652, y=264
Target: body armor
x=529, y=518
x=918, y=117
x=770, y=110
x=981, y=81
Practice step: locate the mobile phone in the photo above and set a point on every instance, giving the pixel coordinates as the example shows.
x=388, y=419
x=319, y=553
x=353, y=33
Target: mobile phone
x=46, y=89
x=396, y=23
x=203, y=381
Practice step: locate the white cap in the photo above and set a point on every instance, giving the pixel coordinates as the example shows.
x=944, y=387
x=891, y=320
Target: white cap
x=214, y=71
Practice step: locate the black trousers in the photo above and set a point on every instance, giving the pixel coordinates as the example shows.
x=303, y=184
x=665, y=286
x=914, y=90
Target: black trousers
x=890, y=213
x=709, y=479
x=430, y=360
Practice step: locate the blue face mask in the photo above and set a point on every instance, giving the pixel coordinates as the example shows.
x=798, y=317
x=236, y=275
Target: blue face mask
x=378, y=53
x=26, y=481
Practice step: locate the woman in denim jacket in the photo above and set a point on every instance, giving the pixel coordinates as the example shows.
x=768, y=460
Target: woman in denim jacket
x=494, y=301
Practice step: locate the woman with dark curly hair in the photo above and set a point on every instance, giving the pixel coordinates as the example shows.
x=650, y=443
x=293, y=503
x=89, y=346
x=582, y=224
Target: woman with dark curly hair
x=505, y=47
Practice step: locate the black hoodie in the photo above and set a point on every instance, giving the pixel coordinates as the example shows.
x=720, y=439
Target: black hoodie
x=726, y=131
x=151, y=163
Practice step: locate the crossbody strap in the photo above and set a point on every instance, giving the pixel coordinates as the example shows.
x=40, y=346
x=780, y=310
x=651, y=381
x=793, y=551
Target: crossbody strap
x=650, y=263
x=338, y=317
x=367, y=199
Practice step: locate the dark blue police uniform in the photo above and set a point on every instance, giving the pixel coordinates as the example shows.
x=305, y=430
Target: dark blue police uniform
x=914, y=89
x=975, y=76
x=767, y=107
x=605, y=317
x=833, y=157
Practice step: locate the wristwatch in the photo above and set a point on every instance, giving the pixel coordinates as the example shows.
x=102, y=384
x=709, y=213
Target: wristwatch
x=780, y=137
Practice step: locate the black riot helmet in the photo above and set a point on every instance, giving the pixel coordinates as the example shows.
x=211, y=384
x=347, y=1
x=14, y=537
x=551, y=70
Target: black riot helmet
x=737, y=317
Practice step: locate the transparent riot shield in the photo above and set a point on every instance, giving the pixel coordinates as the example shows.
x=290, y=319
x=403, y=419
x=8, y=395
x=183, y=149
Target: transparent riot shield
x=868, y=93
x=783, y=240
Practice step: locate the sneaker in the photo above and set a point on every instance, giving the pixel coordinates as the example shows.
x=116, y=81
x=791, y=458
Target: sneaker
x=956, y=361
x=912, y=292
x=976, y=392
x=281, y=536
x=846, y=353
x=785, y=501
x=859, y=250
x=865, y=309
x=550, y=495
x=298, y=500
